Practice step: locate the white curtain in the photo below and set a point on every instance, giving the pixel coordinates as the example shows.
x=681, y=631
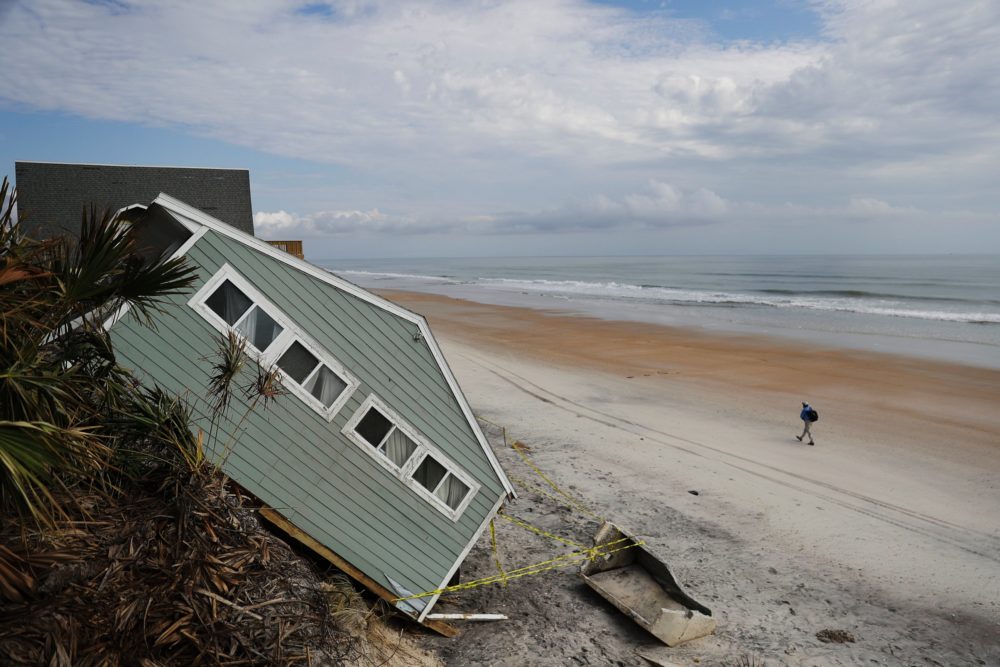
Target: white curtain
x=399, y=448
x=326, y=386
x=452, y=491
x=259, y=328
x=248, y=327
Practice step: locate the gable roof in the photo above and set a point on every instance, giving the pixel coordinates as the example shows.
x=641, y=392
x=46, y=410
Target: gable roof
x=51, y=195
x=198, y=222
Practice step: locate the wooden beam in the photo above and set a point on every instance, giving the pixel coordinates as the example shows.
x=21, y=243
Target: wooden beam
x=467, y=617
x=354, y=573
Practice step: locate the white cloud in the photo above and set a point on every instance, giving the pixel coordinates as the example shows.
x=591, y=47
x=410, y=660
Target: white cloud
x=657, y=206
x=454, y=111
x=322, y=223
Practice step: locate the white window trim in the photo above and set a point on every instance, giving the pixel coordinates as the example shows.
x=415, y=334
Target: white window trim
x=290, y=333
x=405, y=473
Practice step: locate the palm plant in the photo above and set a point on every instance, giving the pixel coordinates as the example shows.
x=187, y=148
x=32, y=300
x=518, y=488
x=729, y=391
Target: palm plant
x=58, y=378
x=230, y=360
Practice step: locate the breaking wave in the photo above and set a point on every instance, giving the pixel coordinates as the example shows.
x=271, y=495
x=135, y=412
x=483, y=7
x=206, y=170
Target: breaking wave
x=849, y=301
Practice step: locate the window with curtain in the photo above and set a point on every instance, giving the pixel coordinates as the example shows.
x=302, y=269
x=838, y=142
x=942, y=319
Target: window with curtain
x=240, y=312
x=388, y=441
x=231, y=303
x=434, y=477
x=305, y=369
x=381, y=433
x=228, y=302
x=259, y=328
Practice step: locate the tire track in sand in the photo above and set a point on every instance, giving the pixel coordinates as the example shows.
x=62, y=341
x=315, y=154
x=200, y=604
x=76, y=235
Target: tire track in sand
x=969, y=540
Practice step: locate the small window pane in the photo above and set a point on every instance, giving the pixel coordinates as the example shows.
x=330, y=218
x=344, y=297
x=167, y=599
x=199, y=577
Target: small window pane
x=399, y=448
x=259, y=328
x=373, y=427
x=452, y=492
x=298, y=362
x=429, y=473
x=325, y=385
x=228, y=302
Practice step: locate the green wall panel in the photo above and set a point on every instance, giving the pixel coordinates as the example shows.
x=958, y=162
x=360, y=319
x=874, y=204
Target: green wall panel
x=297, y=461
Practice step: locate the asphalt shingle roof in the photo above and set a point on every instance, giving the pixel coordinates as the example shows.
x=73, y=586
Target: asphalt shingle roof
x=51, y=196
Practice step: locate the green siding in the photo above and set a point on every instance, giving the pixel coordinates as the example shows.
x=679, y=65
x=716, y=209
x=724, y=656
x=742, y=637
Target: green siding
x=297, y=461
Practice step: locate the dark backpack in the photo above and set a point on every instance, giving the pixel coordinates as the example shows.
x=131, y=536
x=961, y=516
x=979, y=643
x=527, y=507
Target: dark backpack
x=813, y=415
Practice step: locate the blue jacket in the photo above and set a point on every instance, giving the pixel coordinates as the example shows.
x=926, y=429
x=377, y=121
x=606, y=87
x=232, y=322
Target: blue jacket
x=804, y=415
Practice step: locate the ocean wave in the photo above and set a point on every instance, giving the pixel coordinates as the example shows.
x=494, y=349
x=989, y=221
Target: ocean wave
x=386, y=275
x=840, y=301
x=865, y=294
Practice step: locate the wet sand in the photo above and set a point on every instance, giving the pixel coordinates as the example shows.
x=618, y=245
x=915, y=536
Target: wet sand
x=888, y=528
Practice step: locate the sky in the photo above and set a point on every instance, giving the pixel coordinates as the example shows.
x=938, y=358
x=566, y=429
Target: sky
x=537, y=127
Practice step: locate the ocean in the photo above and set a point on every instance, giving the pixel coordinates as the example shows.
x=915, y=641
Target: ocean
x=943, y=307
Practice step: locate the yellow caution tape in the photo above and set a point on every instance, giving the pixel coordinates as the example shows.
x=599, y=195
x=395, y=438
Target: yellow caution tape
x=538, y=531
x=582, y=554
x=565, y=560
x=572, y=501
x=528, y=486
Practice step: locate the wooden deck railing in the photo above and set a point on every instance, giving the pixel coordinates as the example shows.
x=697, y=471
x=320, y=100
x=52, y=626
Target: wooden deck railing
x=291, y=247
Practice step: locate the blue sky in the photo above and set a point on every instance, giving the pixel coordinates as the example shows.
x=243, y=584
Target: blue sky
x=377, y=129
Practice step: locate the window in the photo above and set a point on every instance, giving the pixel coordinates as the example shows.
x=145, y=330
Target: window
x=238, y=311
x=259, y=328
x=231, y=303
x=325, y=385
x=388, y=441
x=228, y=302
x=444, y=485
x=402, y=451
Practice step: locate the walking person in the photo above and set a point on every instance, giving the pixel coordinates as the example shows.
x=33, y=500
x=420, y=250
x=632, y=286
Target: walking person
x=808, y=416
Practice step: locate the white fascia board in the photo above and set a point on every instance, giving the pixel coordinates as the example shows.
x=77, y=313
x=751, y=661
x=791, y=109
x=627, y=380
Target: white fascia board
x=141, y=207
x=466, y=408
x=461, y=558
x=195, y=216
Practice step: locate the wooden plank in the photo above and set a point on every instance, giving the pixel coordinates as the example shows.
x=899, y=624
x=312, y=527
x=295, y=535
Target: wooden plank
x=467, y=617
x=357, y=575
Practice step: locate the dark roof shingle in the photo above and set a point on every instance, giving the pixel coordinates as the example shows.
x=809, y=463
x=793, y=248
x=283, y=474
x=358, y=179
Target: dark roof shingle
x=51, y=195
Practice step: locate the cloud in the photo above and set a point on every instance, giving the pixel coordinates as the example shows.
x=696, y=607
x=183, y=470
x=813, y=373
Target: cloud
x=363, y=82
x=443, y=114
x=658, y=206
x=323, y=223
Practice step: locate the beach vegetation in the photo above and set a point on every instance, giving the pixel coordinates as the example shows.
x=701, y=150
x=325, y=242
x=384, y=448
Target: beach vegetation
x=120, y=541
x=62, y=396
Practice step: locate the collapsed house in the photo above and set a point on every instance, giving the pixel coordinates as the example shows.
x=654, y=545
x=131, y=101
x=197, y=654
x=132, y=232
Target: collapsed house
x=372, y=457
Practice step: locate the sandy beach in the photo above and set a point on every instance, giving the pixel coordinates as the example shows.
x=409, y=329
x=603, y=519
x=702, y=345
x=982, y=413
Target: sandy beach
x=888, y=528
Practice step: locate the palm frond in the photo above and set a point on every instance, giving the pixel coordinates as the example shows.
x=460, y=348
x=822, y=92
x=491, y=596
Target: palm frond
x=31, y=453
x=266, y=386
x=163, y=421
x=231, y=357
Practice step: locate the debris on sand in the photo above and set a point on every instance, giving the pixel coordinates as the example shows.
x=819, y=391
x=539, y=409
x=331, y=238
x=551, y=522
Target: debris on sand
x=180, y=572
x=835, y=637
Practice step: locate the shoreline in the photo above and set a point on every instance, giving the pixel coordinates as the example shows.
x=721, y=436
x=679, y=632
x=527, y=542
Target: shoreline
x=894, y=509
x=930, y=393
x=791, y=299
